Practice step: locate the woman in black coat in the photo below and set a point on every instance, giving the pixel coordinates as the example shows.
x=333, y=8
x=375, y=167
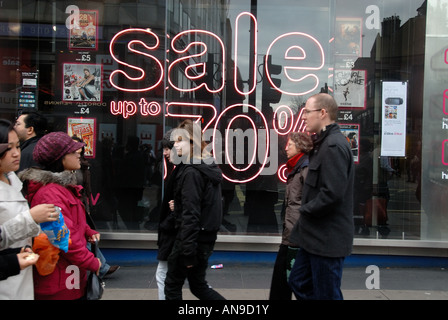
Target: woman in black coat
x=198, y=213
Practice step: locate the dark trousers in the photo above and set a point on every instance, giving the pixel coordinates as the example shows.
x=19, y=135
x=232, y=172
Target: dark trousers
x=178, y=272
x=280, y=289
x=315, y=277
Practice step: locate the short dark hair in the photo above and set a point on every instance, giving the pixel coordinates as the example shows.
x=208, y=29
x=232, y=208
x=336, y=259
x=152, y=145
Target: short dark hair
x=56, y=166
x=327, y=102
x=37, y=121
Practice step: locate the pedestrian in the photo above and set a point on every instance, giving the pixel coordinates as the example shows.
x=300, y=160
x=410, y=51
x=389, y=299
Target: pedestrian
x=59, y=156
x=166, y=229
x=324, y=231
x=83, y=179
x=18, y=223
x=30, y=127
x=198, y=212
x=297, y=148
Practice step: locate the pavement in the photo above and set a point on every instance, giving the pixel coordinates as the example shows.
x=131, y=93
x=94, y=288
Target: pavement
x=251, y=281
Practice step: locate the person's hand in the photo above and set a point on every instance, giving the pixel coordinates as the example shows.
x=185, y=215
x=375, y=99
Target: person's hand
x=94, y=238
x=26, y=258
x=98, y=271
x=44, y=213
x=171, y=205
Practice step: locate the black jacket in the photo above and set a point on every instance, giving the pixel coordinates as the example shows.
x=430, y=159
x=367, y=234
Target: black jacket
x=9, y=264
x=167, y=221
x=325, y=226
x=26, y=157
x=197, y=206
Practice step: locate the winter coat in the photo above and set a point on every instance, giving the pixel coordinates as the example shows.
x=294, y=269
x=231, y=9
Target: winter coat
x=197, y=206
x=167, y=221
x=18, y=227
x=293, y=198
x=325, y=226
x=61, y=190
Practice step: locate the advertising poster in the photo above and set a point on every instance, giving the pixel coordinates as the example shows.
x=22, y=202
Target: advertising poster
x=82, y=82
x=351, y=132
x=393, y=129
x=348, y=37
x=83, y=128
x=85, y=36
x=29, y=89
x=350, y=88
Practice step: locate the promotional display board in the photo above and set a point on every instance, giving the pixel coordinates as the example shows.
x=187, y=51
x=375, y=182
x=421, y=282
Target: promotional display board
x=393, y=119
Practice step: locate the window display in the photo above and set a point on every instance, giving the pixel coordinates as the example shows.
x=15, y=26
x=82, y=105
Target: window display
x=120, y=75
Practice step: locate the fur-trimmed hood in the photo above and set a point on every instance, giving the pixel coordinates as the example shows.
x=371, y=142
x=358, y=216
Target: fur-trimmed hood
x=35, y=178
x=65, y=178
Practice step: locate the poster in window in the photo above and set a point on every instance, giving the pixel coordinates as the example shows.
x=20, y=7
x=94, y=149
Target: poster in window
x=393, y=124
x=348, y=37
x=351, y=133
x=82, y=82
x=28, y=90
x=84, y=129
x=350, y=88
x=85, y=35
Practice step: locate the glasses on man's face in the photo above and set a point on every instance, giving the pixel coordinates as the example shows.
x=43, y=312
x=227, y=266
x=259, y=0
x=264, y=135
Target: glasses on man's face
x=307, y=112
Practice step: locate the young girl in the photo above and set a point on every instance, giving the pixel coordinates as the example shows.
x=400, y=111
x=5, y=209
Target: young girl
x=18, y=223
x=198, y=212
x=59, y=155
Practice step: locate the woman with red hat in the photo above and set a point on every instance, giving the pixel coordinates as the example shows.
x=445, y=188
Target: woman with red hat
x=59, y=156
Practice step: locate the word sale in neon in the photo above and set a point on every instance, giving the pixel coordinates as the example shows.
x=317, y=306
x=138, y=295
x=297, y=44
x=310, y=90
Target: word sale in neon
x=300, y=72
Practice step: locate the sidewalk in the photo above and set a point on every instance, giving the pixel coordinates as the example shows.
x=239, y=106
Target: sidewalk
x=236, y=281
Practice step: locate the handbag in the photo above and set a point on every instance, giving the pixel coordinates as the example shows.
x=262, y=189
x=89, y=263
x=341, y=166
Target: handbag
x=95, y=285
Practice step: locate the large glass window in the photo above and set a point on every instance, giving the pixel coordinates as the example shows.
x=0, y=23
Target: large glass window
x=243, y=69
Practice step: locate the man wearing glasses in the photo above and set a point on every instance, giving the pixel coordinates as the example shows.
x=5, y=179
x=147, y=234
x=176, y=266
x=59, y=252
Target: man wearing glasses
x=324, y=230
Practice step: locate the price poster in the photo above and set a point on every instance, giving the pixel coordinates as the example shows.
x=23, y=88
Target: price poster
x=84, y=129
x=350, y=88
x=348, y=37
x=351, y=133
x=84, y=35
x=82, y=82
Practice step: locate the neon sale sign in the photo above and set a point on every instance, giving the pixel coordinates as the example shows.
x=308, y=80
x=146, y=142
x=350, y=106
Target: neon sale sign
x=188, y=51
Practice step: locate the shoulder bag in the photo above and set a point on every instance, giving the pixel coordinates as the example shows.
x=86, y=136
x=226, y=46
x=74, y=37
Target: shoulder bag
x=95, y=285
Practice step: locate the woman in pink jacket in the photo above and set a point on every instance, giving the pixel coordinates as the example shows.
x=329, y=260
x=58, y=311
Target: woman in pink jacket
x=59, y=155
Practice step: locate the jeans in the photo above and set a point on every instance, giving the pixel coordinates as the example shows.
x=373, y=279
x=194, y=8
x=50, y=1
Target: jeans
x=316, y=277
x=162, y=268
x=178, y=272
x=104, y=266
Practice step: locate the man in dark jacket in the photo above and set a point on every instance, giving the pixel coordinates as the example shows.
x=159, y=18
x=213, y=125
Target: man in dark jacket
x=324, y=231
x=198, y=212
x=30, y=127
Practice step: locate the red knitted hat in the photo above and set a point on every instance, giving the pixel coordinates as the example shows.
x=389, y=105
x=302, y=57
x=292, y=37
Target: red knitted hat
x=54, y=146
